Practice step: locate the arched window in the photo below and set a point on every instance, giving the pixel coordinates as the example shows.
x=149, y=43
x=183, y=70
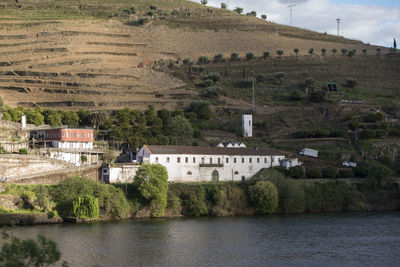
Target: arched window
x=189, y=173
x=236, y=172
x=215, y=176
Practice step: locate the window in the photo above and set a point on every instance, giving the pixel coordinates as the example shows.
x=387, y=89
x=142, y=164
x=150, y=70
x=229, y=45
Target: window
x=234, y=160
x=219, y=161
x=63, y=134
x=178, y=159
x=210, y=160
x=186, y=159
x=258, y=160
x=243, y=178
x=227, y=160
x=250, y=160
x=273, y=159
x=74, y=134
x=194, y=160
x=242, y=160
x=249, y=123
x=265, y=160
x=167, y=159
x=156, y=159
x=81, y=135
x=236, y=172
x=189, y=173
x=202, y=160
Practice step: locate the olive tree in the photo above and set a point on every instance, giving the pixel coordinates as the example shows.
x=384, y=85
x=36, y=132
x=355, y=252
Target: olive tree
x=264, y=17
x=223, y=5
x=296, y=51
x=238, y=10
x=152, y=183
x=204, y=2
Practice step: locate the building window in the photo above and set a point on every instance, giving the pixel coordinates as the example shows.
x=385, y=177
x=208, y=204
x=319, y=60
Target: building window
x=243, y=178
x=265, y=160
x=189, y=173
x=236, y=172
x=210, y=160
x=167, y=159
x=250, y=160
x=194, y=160
x=202, y=160
x=63, y=134
x=186, y=159
x=242, y=160
x=156, y=159
x=273, y=159
x=178, y=159
x=234, y=160
x=227, y=160
x=219, y=161
x=81, y=135
x=249, y=123
x=74, y=134
x=258, y=160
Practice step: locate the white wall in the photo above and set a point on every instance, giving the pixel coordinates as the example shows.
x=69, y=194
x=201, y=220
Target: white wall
x=61, y=144
x=247, y=125
x=122, y=174
x=228, y=172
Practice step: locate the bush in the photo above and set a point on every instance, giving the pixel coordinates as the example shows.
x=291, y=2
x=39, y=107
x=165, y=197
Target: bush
x=296, y=95
x=213, y=92
x=346, y=173
x=23, y=151
x=194, y=204
x=351, y=83
x=264, y=197
x=330, y=172
x=214, y=77
x=313, y=173
x=202, y=60
x=279, y=53
x=201, y=108
x=260, y=78
x=218, y=57
x=234, y=56
x=265, y=54
x=296, y=172
x=86, y=207
x=309, y=81
x=152, y=183
x=197, y=68
x=317, y=96
x=249, y=56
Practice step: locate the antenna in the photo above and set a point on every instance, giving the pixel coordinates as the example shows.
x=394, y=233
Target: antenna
x=291, y=10
x=338, y=20
x=253, y=105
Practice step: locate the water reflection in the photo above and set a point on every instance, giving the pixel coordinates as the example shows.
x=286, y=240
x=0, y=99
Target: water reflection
x=368, y=239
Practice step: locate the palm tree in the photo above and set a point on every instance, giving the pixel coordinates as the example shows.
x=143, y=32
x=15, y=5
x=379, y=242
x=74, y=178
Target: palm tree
x=97, y=118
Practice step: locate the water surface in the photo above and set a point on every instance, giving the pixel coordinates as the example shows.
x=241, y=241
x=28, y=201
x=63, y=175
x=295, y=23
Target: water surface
x=346, y=239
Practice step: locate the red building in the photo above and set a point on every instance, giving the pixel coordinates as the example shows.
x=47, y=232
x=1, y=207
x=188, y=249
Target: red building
x=66, y=137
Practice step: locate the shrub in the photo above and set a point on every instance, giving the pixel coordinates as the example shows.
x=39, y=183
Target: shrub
x=198, y=68
x=265, y=54
x=334, y=51
x=313, y=173
x=323, y=51
x=311, y=51
x=264, y=17
x=296, y=95
x=279, y=53
x=344, y=51
x=317, y=96
x=218, y=57
x=264, y=197
x=238, y=10
x=213, y=92
x=296, y=51
x=186, y=61
x=23, y=151
x=214, y=77
x=309, y=81
x=201, y=108
x=260, y=78
x=234, y=56
x=152, y=183
x=353, y=125
x=330, y=172
x=194, y=203
x=351, y=83
x=86, y=207
x=296, y=172
x=207, y=83
x=249, y=56
x=346, y=173
x=202, y=60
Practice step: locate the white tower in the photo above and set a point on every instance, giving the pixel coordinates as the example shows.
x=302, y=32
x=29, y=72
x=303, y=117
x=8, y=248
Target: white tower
x=247, y=125
x=23, y=122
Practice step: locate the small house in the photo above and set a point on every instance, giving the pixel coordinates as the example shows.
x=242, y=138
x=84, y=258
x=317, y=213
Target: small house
x=309, y=152
x=289, y=163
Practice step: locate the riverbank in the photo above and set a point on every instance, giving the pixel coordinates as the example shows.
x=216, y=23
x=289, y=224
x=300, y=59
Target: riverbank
x=50, y=203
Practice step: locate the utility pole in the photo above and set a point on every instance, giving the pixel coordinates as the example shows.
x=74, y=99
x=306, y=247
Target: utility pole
x=338, y=20
x=291, y=9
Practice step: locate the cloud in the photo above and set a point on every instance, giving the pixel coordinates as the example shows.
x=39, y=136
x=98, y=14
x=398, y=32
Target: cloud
x=375, y=24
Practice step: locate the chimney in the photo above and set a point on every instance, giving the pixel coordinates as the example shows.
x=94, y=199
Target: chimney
x=23, y=122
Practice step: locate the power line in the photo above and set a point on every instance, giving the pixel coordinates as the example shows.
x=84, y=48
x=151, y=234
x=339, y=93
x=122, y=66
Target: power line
x=291, y=10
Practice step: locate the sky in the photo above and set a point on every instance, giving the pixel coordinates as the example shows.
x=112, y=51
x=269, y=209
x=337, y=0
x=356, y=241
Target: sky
x=371, y=21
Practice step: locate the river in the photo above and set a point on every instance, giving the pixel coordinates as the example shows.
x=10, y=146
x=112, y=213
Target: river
x=336, y=239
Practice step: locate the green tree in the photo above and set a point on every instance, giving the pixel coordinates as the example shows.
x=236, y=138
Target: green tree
x=344, y=51
x=311, y=51
x=54, y=119
x=296, y=95
x=223, y=5
x=86, y=206
x=218, y=57
x=351, y=83
x=238, y=10
x=296, y=51
x=378, y=174
x=264, y=197
x=179, y=126
x=28, y=252
x=323, y=51
x=202, y=60
x=202, y=109
x=234, y=56
x=249, y=56
x=265, y=54
x=317, y=96
x=334, y=50
x=264, y=17
x=279, y=53
x=97, y=118
x=70, y=118
x=204, y=2
x=152, y=183
x=34, y=116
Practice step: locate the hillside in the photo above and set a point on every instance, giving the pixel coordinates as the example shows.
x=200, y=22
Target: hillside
x=84, y=54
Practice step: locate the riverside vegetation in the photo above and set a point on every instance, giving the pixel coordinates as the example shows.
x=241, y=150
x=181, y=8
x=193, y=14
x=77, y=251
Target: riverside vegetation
x=150, y=195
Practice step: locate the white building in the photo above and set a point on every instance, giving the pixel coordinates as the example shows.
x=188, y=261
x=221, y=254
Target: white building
x=195, y=164
x=119, y=173
x=289, y=163
x=247, y=125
